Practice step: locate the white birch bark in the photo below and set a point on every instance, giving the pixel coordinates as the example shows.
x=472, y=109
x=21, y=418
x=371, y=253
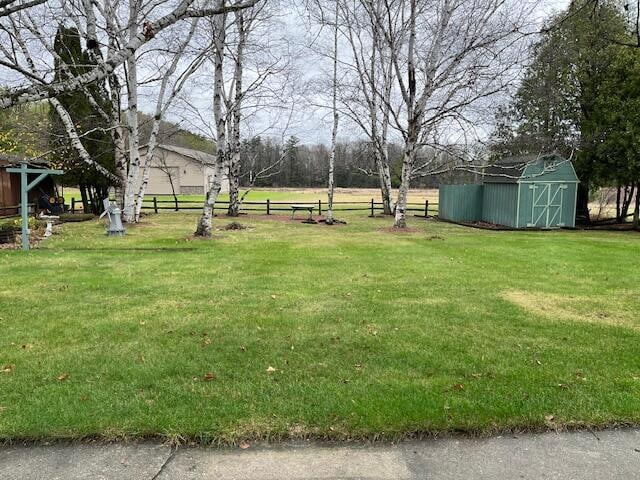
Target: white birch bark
x=234, y=163
x=44, y=90
x=133, y=172
x=334, y=132
x=74, y=138
x=205, y=224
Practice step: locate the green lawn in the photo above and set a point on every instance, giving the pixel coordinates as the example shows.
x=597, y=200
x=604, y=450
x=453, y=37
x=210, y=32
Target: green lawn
x=289, y=330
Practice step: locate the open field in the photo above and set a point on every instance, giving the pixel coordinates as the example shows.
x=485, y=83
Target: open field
x=298, y=194
x=292, y=330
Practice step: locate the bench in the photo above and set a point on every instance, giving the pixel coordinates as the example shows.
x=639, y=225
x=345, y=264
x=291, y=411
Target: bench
x=309, y=208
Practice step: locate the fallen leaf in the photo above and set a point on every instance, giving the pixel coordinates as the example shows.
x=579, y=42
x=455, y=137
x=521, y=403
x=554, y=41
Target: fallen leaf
x=209, y=376
x=358, y=366
x=273, y=296
x=206, y=341
x=7, y=369
x=243, y=349
x=457, y=386
x=63, y=376
x=271, y=370
x=27, y=345
x=244, y=445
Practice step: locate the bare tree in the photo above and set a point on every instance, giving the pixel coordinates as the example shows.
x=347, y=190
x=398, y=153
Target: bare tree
x=83, y=11
x=163, y=103
x=205, y=227
x=447, y=56
x=334, y=110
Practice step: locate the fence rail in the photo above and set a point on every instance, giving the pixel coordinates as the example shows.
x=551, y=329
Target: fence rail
x=157, y=204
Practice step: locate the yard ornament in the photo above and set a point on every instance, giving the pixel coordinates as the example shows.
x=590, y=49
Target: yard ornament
x=111, y=210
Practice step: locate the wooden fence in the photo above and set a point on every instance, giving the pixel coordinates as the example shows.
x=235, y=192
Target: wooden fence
x=159, y=203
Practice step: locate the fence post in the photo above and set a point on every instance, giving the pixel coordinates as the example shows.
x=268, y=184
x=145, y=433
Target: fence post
x=73, y=205
x=372, y=212
x=268, y=207
x=426, y=208
x=155, y=204
x=319, y=207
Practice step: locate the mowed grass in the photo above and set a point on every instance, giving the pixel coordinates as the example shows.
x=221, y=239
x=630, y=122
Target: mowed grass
x=293, y=330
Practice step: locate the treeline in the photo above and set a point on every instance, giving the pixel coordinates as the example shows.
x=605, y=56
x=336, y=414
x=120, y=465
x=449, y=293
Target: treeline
x=268, y=163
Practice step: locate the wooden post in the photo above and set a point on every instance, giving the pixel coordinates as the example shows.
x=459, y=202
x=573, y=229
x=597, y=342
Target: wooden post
x=426, y=208
x=155, y=204
x=372, y=212
x=175, y=199
x=73, y=205
x=268, y=207
x=319, y=207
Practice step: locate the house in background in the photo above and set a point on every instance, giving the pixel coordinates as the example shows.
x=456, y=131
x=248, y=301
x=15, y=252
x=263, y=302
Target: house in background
x=182, y=171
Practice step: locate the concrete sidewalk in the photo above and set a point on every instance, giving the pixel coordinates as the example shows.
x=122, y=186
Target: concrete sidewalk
x=611, y=454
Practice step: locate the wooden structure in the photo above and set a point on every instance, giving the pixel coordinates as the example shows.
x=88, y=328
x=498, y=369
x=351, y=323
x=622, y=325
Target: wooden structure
x=9, y=187
x=25, y=185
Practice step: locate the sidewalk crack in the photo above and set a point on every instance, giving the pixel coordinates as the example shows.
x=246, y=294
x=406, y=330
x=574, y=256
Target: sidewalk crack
x=165, y=463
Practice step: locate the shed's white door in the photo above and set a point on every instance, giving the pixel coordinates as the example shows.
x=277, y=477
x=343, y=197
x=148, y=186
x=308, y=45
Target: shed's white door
x=546, y=204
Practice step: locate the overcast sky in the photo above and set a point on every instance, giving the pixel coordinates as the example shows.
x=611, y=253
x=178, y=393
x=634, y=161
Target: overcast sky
x=308, y=121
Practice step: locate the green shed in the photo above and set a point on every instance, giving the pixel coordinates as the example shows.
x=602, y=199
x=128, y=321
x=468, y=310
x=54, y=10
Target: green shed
x=530, y=192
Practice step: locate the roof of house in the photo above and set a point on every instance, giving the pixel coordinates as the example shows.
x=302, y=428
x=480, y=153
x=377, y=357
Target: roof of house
x=196, y=155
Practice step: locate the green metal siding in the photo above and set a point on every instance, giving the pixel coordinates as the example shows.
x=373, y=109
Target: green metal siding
x=460, y=203
x=542, y=195
x=550, y=169
x=562, y=194
x=500, y=203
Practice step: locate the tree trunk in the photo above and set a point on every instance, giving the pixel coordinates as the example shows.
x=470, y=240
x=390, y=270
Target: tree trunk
x=234, y=161
x=582, y=207
x=636, y=210
x=129, y=209
x=384, y=175
x=618, y=209
x=334, y=132
x=234, y=185
x=403, y=193
x=205, y=225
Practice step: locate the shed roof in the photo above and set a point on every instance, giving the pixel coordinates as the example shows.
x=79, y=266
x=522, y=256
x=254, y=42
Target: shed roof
x=530, y=168
x=8, y=159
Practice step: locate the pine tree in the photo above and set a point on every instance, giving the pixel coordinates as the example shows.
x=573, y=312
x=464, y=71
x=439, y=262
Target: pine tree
x=73, y=61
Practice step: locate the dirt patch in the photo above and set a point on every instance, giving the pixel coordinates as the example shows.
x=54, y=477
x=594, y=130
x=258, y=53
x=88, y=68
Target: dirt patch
x=281, y=218
x=572, y=308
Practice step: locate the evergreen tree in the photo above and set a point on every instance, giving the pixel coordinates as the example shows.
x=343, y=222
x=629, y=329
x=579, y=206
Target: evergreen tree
x=564, y=102
x=74, y=61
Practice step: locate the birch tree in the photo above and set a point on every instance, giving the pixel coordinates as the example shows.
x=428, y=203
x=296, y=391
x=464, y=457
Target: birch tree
x=329, y=220
x=447, y=56
x=367, y=91
x=205, y=227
